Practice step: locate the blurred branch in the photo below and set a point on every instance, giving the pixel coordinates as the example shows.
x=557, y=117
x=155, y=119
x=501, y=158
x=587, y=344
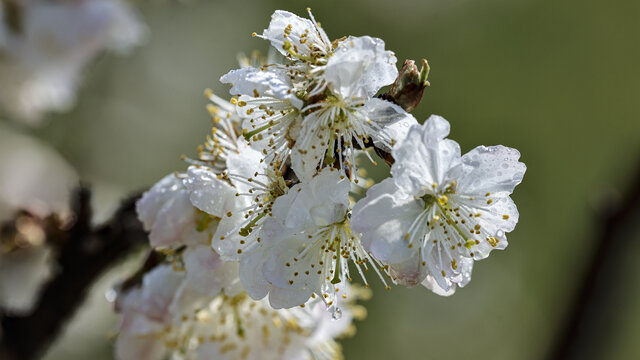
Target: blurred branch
x=594, y=296
x=83, y=254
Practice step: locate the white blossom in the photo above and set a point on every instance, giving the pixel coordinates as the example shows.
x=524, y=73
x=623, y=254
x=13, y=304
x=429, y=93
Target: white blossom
x=165, y=317
x=346, y=117
x=153, y=313
x=449, y=209
x=319, y=108
x=46, y=45
x=359, y=67
x=242, y=197
x=241, y=328
x=167, y=212
x=35, y=183
x=298, y=38
x=208, y=273
x=270, y=105
x=306, y=245
x=346, y=124
x=145, y=314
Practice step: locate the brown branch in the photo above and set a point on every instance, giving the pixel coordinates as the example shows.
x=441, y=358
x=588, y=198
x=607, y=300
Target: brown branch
x=584, y=326
x=83, y=254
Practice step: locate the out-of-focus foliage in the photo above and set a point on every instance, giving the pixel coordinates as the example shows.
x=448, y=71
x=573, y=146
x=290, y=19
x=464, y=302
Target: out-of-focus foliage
x=555, y=79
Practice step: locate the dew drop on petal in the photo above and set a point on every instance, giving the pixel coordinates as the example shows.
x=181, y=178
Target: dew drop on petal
x=336, y=313
x=111, y=295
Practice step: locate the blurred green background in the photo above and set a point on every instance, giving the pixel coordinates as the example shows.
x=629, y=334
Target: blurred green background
x=557, y=80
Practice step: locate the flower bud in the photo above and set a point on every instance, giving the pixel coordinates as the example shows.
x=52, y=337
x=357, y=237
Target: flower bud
x=409, y=86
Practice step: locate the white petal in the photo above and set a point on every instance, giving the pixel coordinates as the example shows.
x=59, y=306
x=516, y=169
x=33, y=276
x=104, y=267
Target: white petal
x=274, y=82
x=360, y=66
x=425, y=157
x=206, y=271
x=227, y=240
x=297, y=274
x=159, y=287
x=323, y=201
x=493, y=169
x=449, y=289
x=246, y=162
x=393, y=121
x=209, y=193
x=288, y=298
x=281, y=20
x=251, y=274
x=494, y=222
x=153, y=200
x=410, y=272
x=174, y=223
x=431, y=284
x=384, y=217
x=241, y=86
x=309, y=150
x=185, y=299
x=166, y=211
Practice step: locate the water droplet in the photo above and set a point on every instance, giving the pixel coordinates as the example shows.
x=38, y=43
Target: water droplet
x=336, y=313
x=111, y=295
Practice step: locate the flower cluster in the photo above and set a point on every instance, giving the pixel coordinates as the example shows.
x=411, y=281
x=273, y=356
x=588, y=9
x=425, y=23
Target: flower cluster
x=191, y=305
x=265, y=216
x=165, y=316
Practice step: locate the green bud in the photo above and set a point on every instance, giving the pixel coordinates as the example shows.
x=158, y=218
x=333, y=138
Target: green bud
x=409, y=86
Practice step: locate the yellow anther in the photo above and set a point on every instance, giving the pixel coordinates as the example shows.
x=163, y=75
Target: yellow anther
x=492, y=241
